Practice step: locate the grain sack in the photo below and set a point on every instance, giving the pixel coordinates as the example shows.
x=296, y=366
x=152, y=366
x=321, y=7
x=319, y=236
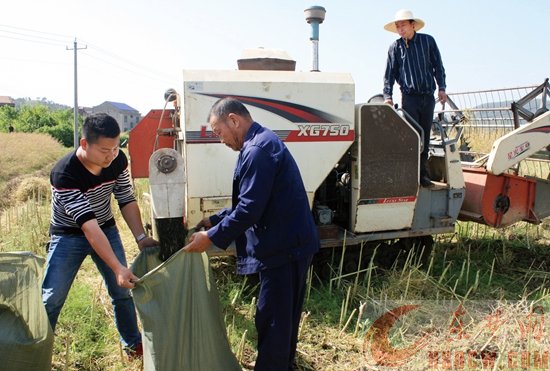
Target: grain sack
x=178, y=305
x=26, y=338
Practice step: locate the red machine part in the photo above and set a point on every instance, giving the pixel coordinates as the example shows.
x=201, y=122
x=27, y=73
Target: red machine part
x=141, y=142
x=498, y=200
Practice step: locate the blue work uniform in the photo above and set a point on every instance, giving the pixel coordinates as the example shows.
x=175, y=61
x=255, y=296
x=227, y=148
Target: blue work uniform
x=275, y=235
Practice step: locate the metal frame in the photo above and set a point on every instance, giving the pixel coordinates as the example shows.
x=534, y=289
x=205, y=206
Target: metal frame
x=518, y=108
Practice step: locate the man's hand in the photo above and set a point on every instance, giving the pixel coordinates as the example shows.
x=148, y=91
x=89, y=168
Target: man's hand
x=125, y=278
x=389, y=101
x=442, y=96
x=205, y=223
x=198, y=242
x=147, y=242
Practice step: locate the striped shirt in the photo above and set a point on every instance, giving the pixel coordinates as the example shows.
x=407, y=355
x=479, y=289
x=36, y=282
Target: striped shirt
x=79, y=196
x=414, y=66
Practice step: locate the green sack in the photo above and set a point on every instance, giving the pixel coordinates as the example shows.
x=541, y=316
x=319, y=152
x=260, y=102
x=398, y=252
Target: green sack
x=178, y=305
x=26, y=338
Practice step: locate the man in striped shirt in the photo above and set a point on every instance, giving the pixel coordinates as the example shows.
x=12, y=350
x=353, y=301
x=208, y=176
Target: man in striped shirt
x=414, y=62
x=82, y=224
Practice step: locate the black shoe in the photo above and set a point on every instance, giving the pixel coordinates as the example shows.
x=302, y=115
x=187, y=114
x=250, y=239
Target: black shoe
x=426, y=182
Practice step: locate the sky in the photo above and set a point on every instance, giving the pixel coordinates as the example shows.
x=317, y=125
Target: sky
x=135, y=50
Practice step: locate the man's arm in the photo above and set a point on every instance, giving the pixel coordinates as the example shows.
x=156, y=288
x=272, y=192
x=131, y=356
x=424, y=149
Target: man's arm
x=257, y=175
x=442, y=96
x=95, y=236
x=439, y=72
x=389, y=75
x=132, y=217
x=124, y=194
x=199, y=241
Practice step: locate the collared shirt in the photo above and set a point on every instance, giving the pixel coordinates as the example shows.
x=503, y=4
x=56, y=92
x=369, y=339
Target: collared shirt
x=414, y=65
x=270, y=219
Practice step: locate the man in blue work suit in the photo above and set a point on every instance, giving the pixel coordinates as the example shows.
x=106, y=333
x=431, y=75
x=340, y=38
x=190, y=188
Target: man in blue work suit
x=272, y=225
x=414, y=62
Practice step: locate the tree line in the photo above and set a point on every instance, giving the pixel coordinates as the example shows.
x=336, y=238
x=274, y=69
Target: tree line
x=39, y=119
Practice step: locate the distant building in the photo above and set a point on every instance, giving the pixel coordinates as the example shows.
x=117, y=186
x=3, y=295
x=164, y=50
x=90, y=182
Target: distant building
x=84, y=111
x=126, y=116
x=6, y=101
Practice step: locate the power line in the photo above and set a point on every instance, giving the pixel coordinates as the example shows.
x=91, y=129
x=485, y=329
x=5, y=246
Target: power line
x=148, y=74
x=95, y=52
x=127, y=61
x=35, y=31
x=32, y=41
x=33, y=36
x=55, y=39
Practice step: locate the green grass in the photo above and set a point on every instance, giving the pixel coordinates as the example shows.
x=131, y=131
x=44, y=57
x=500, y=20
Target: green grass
x=508, y=268
x=85, y=333
x=24, y=227
x=474, y=264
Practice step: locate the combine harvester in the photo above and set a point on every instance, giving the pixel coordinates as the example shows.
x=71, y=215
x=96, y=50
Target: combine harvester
x=496, y=193
x=359, y=161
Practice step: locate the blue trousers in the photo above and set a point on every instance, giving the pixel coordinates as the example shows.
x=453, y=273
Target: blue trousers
x=278, y=314
x=421, y=109
x=65, y=256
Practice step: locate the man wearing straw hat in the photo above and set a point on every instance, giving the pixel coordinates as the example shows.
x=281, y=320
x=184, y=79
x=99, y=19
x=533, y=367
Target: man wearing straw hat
x=414, y=62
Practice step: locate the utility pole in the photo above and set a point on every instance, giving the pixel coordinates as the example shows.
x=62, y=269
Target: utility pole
x=75, y=48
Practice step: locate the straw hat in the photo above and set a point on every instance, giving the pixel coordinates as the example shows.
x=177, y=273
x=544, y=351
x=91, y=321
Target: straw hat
x=404, y=15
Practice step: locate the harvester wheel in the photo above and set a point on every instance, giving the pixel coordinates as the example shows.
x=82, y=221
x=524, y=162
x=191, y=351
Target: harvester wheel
x=322, y=265
x=423, y=249
x=387, y=253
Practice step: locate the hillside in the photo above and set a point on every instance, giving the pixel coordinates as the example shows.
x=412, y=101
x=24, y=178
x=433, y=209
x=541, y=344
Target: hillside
x=19, y=102
x=25, y=154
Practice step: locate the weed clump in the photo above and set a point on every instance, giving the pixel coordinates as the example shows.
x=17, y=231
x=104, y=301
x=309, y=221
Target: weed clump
x=33, y=188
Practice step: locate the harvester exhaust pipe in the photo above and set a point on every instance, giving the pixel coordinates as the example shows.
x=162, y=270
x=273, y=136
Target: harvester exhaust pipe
x=315, y=15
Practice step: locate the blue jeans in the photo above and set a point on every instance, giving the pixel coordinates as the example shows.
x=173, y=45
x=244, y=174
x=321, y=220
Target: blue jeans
x=65, y=256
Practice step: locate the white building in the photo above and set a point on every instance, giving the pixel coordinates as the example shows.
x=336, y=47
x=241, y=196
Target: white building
x=126, y=116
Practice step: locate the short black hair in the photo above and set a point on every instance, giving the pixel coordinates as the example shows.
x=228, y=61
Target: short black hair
x=100, y=125
x=224, y=106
